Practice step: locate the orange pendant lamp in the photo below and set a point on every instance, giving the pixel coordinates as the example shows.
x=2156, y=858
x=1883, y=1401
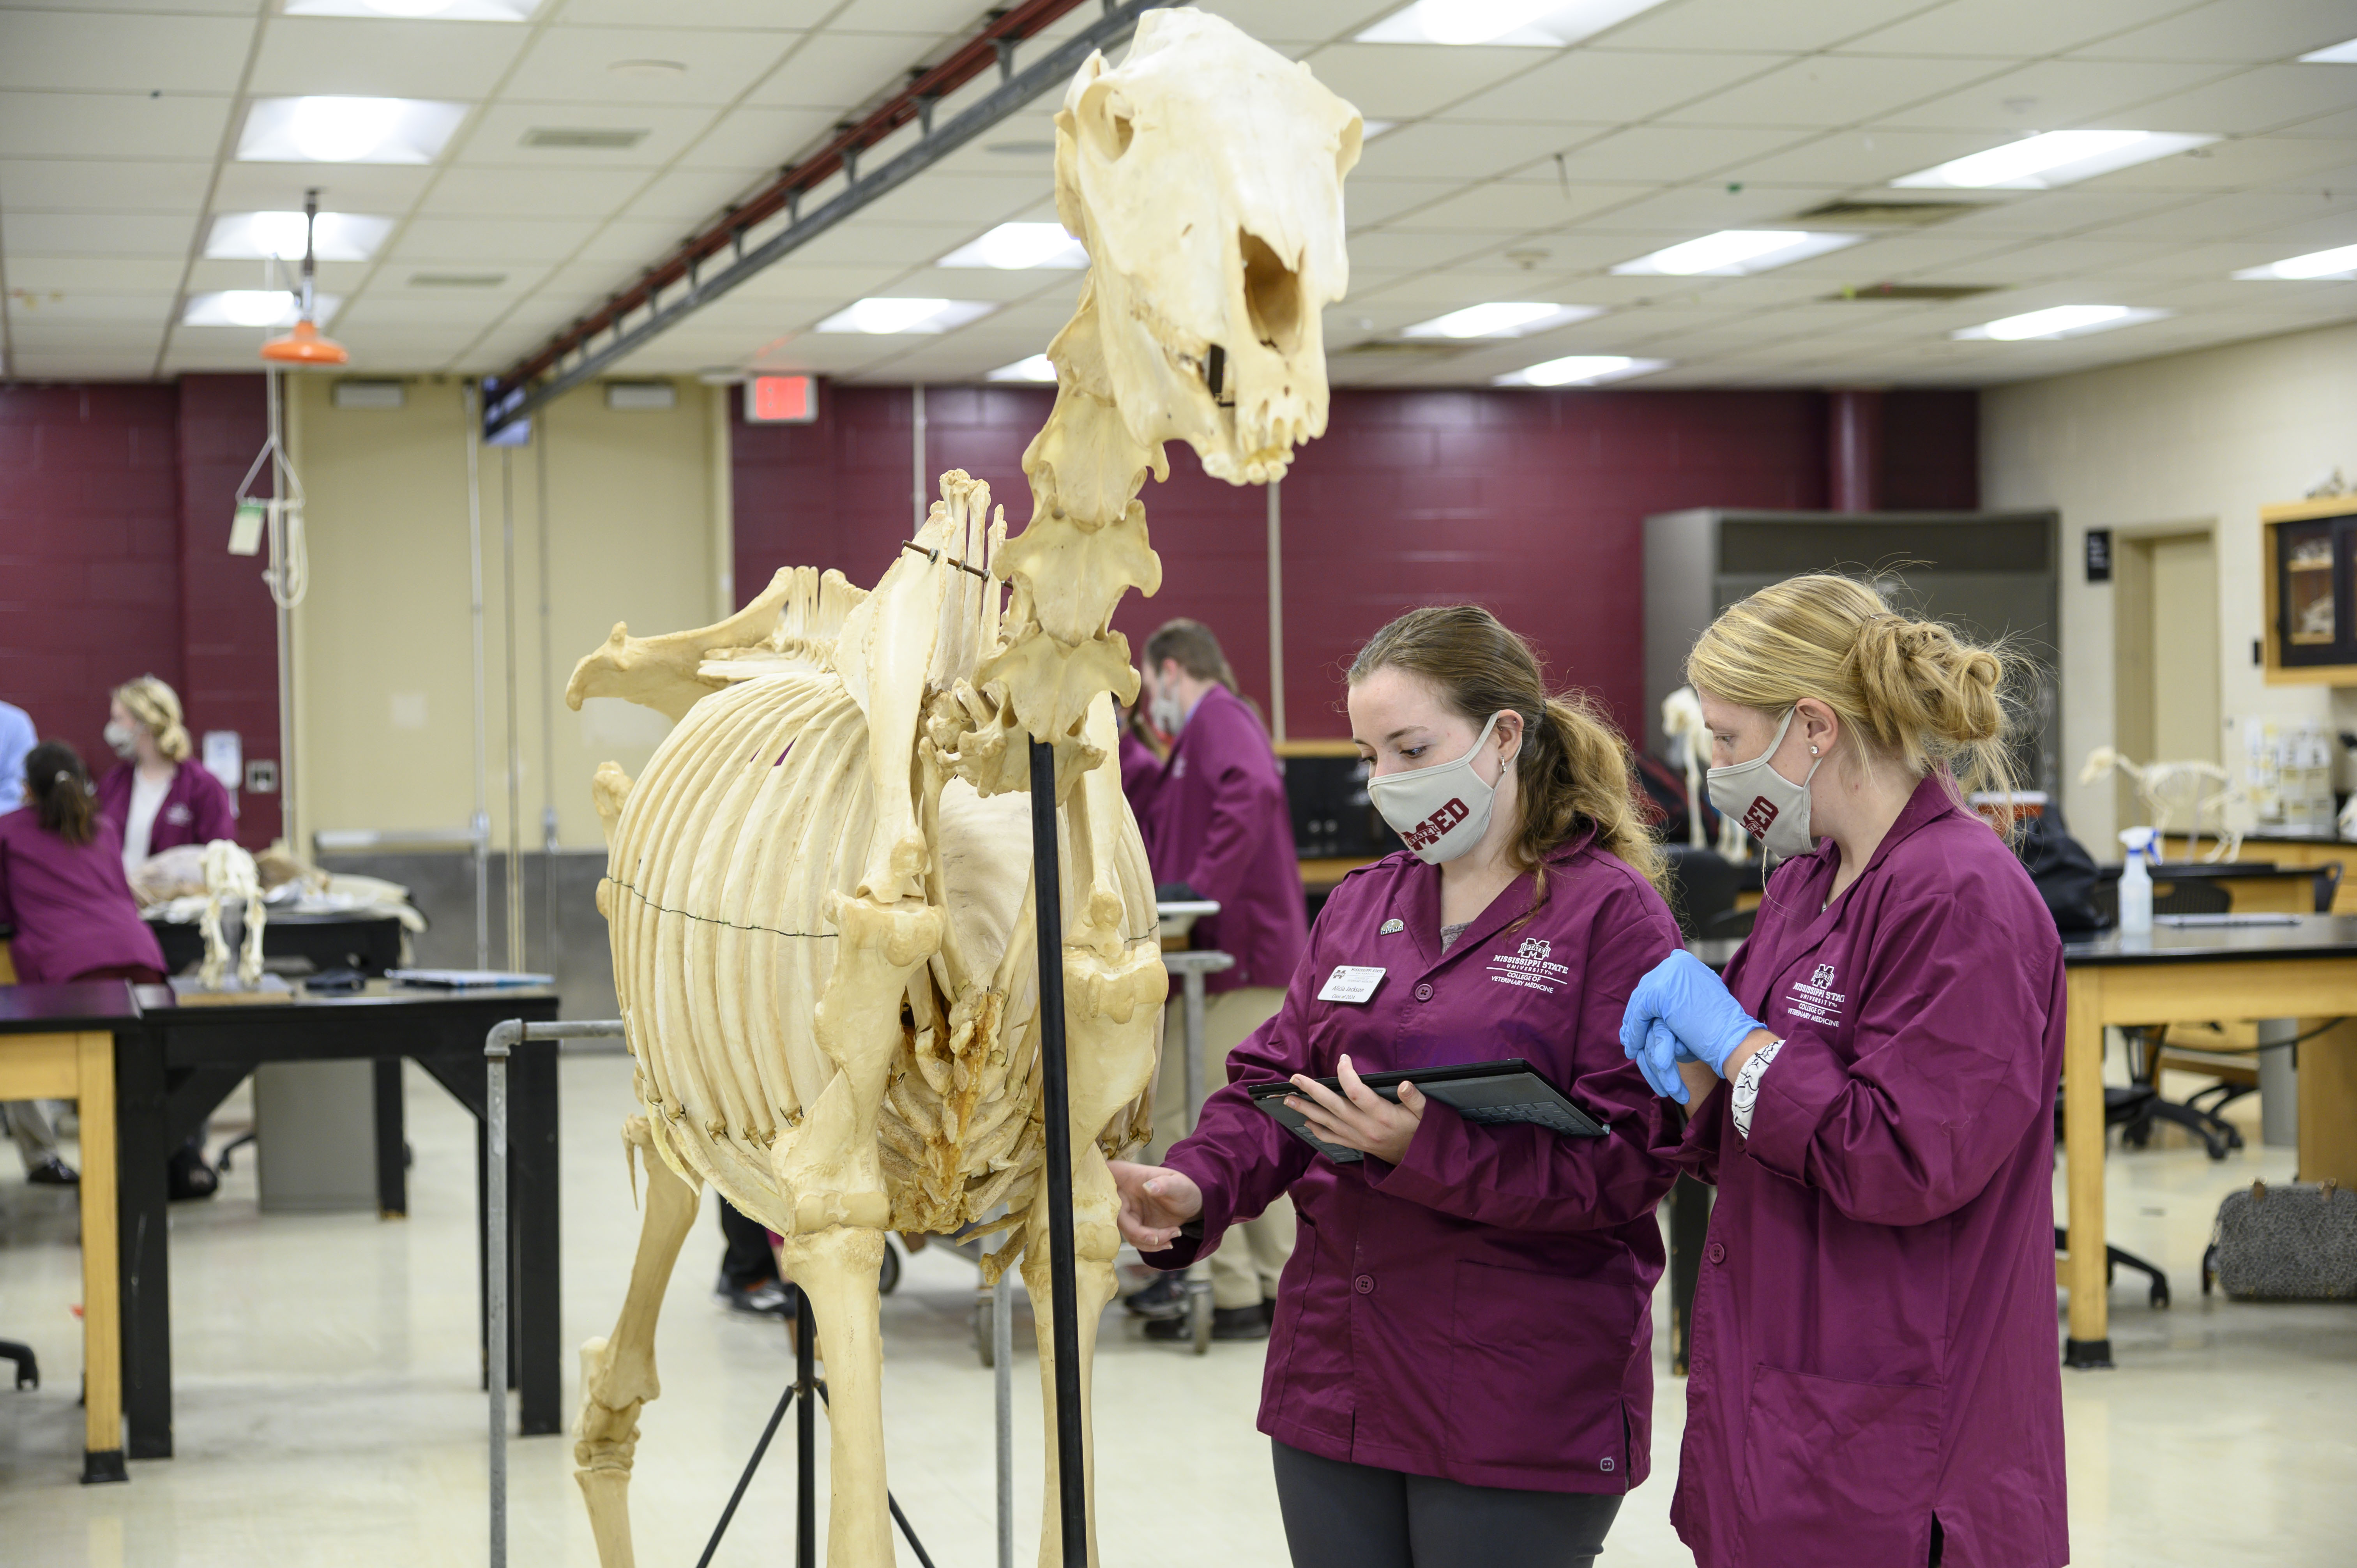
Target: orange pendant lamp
x=307, y=345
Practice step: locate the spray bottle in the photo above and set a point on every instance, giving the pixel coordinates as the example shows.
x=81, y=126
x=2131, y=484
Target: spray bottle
x=2135, y=882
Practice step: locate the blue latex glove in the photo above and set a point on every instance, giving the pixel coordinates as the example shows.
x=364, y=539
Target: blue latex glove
x=1681, y=1012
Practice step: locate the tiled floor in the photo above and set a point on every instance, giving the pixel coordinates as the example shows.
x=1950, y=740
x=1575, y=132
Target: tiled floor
x=328, y=1412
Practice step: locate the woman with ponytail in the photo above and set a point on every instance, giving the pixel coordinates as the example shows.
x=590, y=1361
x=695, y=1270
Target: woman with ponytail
x=61, y=886
x=1872, y=1374
x=159, y=797
x=1460, y=1369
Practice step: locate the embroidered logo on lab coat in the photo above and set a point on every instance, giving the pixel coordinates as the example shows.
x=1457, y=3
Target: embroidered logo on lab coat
x=178, y=816
x=1530, y=968
x=1814, y=1001
x=1178, y=767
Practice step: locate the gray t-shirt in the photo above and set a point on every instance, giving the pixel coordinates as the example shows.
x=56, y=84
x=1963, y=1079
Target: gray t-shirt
x=1449, y=934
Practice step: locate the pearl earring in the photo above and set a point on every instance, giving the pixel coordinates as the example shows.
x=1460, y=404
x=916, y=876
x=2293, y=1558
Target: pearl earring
x=1812, y=751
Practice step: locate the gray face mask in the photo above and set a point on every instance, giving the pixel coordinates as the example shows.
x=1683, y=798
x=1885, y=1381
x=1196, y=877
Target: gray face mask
x=1771, y=807
x=119, y=739
x=1167, y=716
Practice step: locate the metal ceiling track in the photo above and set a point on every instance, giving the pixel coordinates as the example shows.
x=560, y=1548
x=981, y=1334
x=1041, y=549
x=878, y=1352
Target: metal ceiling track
x=636, y=315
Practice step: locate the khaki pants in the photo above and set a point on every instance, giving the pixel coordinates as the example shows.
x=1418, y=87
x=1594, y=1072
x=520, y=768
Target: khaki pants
x=1244, y=1269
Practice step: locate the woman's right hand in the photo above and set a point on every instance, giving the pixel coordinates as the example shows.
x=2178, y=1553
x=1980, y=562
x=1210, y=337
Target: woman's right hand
x=1155, y=1202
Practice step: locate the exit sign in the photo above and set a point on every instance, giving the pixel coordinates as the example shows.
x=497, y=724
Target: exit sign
x=781, y=400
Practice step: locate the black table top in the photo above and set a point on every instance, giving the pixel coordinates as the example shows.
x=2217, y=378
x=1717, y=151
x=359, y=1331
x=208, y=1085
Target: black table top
x=2286, y=936
x=55, y=1009
x=2219, y=871
x=300, y=917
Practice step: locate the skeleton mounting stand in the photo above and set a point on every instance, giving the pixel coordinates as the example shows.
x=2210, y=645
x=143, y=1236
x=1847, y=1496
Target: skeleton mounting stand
x=1064, y=1322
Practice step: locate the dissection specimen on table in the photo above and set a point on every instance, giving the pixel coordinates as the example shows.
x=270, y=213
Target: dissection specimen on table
x=820, y=888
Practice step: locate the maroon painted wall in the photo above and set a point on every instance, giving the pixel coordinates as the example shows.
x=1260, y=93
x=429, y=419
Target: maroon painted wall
x=1531, y=502
x=114, y=514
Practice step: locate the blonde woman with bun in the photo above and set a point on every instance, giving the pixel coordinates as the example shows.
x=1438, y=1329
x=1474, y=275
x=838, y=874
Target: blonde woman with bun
x=158, y=797
x=1873, y=1373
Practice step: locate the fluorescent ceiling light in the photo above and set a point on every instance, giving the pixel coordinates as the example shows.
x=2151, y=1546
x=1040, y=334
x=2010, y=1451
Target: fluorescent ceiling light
x=328, y=130
x=1580, y=370
x=341, y=236
x=1539, y=24
x=254, y=307
x=2334, y=263
x=2059, y=321
x=439, y=10
x=1737, y=252
x=1500, y=318
x=1037, y=368
x=2339, y=54
x=884, y=314
x=2056, y=157
x=1012, y=247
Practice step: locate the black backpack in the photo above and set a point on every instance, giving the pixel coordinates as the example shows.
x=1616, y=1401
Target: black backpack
x=2063, y=870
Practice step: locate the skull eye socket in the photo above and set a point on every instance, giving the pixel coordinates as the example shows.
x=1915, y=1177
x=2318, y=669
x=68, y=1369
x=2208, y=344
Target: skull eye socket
x=1271, y=294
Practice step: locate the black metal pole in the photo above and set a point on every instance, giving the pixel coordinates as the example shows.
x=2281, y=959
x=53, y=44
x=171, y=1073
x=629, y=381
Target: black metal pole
x=805, y=1434
x=746, y=1480
x=1064, y=1319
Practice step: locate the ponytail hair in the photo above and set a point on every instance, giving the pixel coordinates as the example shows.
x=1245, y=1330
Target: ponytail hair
x=59, y=786
x=1911, y=691
x=157, y=706
x=1574, y=775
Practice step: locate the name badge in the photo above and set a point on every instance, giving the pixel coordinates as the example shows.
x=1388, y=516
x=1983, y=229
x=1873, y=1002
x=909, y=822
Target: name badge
x=1351, y=982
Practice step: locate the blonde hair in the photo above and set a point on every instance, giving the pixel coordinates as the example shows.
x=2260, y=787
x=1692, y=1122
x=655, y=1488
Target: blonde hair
x=158, y=706
x=1575, y=771
x=1911, y=691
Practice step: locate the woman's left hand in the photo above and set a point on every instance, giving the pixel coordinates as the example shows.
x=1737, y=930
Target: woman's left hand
x=1358, y=1118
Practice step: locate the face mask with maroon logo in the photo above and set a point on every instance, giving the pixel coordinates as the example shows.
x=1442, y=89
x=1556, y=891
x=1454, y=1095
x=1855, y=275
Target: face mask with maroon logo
x=1442, y=810
x=1771, y=807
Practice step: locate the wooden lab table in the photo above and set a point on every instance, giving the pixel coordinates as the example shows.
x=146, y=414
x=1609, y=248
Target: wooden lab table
x=58, y=1042
x=2285, y=851
x=2306, y=969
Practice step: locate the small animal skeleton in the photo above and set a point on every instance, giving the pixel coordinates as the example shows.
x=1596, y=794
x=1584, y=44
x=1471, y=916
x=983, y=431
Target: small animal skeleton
x=819, y=890
x=2169, y=788
x=1690, y=749
x=229, y=875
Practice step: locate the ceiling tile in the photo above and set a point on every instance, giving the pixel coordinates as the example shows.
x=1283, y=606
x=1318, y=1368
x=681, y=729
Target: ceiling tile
x=1587, y=86
x=371, y=58
x=1468, y=152
x=2257, y=100
x=1748, y=25
x=1868, y=157
x=1515, y=207
x=756, y=138
x=92, y=185
x=532, y=193
x=2234, y=31
x=110, y=126
x=1997, y=28
x=2052, y=94
x=1406, y=81
x=96, y=234
x=575, y=65
x=497, y=135
x=387, y=190
x=1659, y=154
x=489, y=241
x=100, y=52
x=794, y=15
x=2234, y=165
x=92, y=275
x=838, y=70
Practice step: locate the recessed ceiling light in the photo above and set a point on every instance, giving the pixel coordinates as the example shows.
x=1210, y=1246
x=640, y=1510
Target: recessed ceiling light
x=2056, y=157
x=1736, y=252
x=1580, y=370
x=1500, y=318
x=886, y=313
x=2334, y=263
x=2339, y=54
x=438, y=10
x=1540, y=24
x=340, y=236
x=327, y=130
x=2059, y=321
x=254, y=307
x=1037, y=368
x=1012, y=247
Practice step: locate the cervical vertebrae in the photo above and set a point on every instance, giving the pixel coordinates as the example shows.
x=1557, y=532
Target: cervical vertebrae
x=819, y=891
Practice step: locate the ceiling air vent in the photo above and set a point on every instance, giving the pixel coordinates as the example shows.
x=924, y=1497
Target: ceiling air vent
x=1870, y=213
x=1403, y=348
x=457, y=279
x=582, y=136
x=1867, y=293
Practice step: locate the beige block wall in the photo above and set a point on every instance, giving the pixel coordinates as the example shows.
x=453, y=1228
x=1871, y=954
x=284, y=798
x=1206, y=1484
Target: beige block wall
x=635, y=530
x=2198, y=440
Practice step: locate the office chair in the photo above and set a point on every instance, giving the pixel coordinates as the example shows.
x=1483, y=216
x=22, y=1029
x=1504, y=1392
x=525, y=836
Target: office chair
x=1702, y=888
x=2121, y=1105
x=2232, y=1064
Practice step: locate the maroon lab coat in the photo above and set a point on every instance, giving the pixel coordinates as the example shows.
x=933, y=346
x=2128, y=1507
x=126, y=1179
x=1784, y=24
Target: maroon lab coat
x=194, y=809
x=70, y=905
x=1873, y=1340
x=1219, y=823
x=1481, y=1311
x=1141, y=772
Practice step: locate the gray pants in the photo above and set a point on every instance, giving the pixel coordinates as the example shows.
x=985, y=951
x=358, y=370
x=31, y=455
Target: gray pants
x=30, y=1125
x=1355, y=1516
x=1244, y=1269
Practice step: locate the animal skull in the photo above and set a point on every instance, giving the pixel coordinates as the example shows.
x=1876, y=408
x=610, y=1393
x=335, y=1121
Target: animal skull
x=1210, y=198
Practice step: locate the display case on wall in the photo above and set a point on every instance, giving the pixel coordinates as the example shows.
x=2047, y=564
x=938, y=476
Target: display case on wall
x=2309, y=570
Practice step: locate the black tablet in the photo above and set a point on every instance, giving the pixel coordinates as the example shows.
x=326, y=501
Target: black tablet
x=1486, y=1092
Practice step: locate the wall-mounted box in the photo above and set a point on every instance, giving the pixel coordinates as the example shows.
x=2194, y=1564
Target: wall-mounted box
x=2309, y=569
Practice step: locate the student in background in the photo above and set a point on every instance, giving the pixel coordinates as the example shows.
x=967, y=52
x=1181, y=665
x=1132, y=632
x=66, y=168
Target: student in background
x=1217, y=827
x=158, y=797
x=62, y=886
